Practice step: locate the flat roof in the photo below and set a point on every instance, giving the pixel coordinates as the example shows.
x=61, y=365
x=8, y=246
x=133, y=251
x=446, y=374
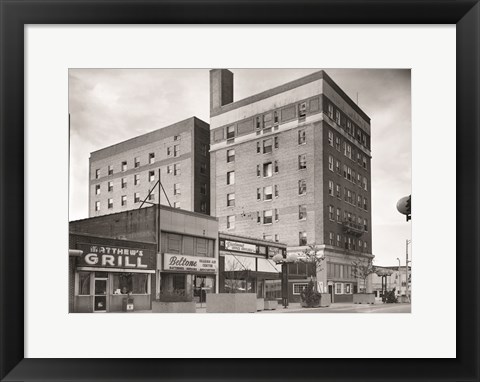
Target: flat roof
x=321, y=74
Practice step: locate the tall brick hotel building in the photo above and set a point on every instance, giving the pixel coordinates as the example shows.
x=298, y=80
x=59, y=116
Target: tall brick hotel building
x=292, y=164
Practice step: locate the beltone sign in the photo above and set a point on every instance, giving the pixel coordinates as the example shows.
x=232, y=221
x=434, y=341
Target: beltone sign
x=116, y=257
x=194, y=264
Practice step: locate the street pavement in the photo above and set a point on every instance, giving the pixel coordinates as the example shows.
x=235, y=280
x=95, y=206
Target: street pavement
x=346, y=308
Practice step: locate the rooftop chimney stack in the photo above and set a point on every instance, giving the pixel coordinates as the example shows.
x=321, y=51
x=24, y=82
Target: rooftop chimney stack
x=221, y=88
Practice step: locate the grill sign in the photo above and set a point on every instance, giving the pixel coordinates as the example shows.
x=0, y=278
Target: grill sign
x=116, y=257
x=194, y=264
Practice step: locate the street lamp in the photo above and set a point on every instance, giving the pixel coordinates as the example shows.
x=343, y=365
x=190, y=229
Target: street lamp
x=399, y=276
x=384, y=273
x=278, y=259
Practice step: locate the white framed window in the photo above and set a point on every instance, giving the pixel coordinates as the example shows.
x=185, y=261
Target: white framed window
x=299, y=287
x=331, y=238
x=276, y=191
x=259, y=194
x=151, y=176
x=169, y=169
x=302, y=110
x=302, y=161
x=176, y=150
x=275, y=167
x=176, y=189
x=349, y=126
x=330, y=187
x=110, y=203
x=267, y=193
x=259, y=150
x=169, y=151
x=348, y=288
x=176, y=169
x=338, y=288
x=365, y=225
x=330, y=138
x=231, y=177
x=330, y=212
x=136, y=162
x=124, y=182
x=267, y=217
x=259, y=218
x=110, y=186
x=277, y=215
x=364, y=162
x=330, y=110
x=136, y=179
x=267, y=146
x=231, y=199
x=275, y=142
x=230, y=221
x=230, y=155
x=97, y=189
x=97, y=173
x=337, y=143
x=339, y=240
x=302, y=212
x=267, y=170
x=330, y=163
x=337, y=117
x=136, y=197
x=302, y=238
x=97, y=206
x=365, y=184
x=258, y=170
x=339, y=213
x=337, y=191
x=230, y=132
x=124, y=166
x=110, y=170
x=302, y=137
x=124, y=200
x=302, y=187
x=151, y=158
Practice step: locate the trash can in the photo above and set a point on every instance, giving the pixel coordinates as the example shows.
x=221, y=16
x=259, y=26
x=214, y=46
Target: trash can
x=128, y=304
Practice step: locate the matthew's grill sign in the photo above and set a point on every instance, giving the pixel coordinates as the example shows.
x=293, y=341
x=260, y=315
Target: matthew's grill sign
x=116, y=257
x=181, y=263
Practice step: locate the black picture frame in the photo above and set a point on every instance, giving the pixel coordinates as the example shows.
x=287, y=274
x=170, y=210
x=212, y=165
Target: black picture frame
x=16, y=14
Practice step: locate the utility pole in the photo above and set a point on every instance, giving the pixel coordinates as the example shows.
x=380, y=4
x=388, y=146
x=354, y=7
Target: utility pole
x=406, y=270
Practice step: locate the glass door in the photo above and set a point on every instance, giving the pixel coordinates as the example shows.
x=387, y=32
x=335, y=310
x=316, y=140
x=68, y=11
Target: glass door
x=100, y=297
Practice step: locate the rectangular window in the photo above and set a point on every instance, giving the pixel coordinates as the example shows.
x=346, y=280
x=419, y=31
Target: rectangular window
x=276, y=190
x=230, y=132
x=349, y=151
x=176, y=205
x=349, y=173
x=348, y=289
x=275, y=117
x=275, y=142
x=136, y=197
x=176, y=169
x=338, y=215
x=302, y=110
x=169, y=151
x=203, y=149
x=267, y=146
x=345, y=171
x=258, y=170
x=97, y=206
x=298, y=288
x=302, y=161
x=203, y=189
x=259, y=219
x=124, y=200
x=359, y=180
x=203, y=168
x=365, y=184
x=151, y=158
x=169, y=169
x=365, y=225
x=331, y=238
x=330, y=188
x=349, y=196
x=136, y=180
x=258, y=148
x=337, y=190
x=267, y=237
x=231, y=177
x=302, y=137
x=110, y=170
x=338, y=288
x=230, y=221
x=267, y=169
x=364, y=162
x=230, y=156
x=84, y=283
x=97, y=189
x=176, y=150
x=276, y=215
x=267, y=193
x=365, y=204
x=337, y=143
x=203, y=206
x=337, y=167
x=275, y=166
x=258, y=123
x=330, y=138
x=176, y=189
x=302, y=212
x=337, y=117
x=330, y=110
x=230, y=200
x=339, y=240
x=110, y=186
x=151, y=176
x=124, y=182
x=136, y=162
x=330, y=163
x=124, y=166
x=110, y=203
x=302, y=238
x=267, y=217
x=302, y=187
x=330, y=212
x=277, y=238
x=97, y=173
x=259, y=194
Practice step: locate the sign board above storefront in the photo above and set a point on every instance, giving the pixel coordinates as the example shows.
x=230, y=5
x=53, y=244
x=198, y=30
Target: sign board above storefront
x=189, y=264
x=240, y=247
x=101, y=256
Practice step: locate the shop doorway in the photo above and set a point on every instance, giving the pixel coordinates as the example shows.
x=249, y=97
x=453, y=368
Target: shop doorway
x=100, y=292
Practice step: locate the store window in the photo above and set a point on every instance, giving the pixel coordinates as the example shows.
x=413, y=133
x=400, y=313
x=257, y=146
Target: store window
x=84, y=283
x=338, y=288
x=134, y=283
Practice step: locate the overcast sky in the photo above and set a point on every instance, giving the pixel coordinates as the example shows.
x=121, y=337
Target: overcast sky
x=109, y=106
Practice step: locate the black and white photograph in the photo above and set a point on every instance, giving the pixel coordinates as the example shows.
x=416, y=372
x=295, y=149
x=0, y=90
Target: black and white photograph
x=240, y=191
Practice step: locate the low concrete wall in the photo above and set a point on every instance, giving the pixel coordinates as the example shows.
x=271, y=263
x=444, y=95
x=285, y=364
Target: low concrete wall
x=364, y=298
x=270, y=305
x=173, y=307
x=260, y=304
x=325, y=300
x=231, y=303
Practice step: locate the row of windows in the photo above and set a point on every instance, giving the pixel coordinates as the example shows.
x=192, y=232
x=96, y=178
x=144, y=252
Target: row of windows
x=347, y=242
x=137, y=199
x=336, y=215
x=350, y=153
x=347, y=125
x=340, y=288
x=348, y=173
x=171, y=151
x=349, y=196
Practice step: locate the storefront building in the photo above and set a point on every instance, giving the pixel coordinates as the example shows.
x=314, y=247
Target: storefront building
x=245, y=266
x=108, y=272
x=182, y=261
